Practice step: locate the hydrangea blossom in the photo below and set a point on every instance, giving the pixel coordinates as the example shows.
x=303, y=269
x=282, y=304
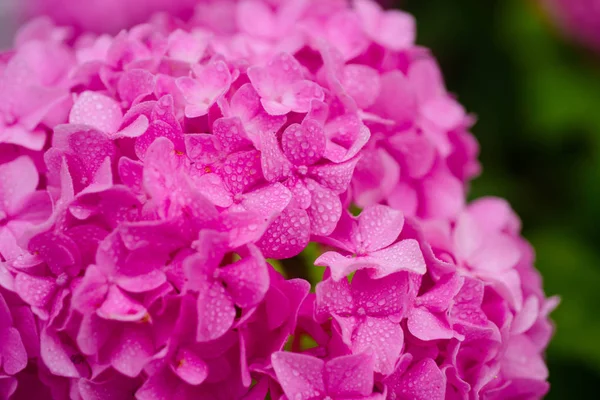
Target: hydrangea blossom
x=155, y=184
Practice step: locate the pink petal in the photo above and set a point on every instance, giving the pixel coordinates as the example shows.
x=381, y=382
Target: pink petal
x=443, y=195
x=304, y=144
x=427, y=326
x=300, y=376
x=214, y=189
x=18, y=179
x=216, y=312
x=268, y=201
x=91, y=292
x=188, y=47
x=287, y=235
x=21, y=136
x=13, y=355
x=382, y=338
x=362, y=83
x=255, y=18
x=116, y=387
x=341, y=266
x=415, y=151
x=336, y=177
x=120, y=307
x=131, y=173
x=497, y=253
x=426, y=79
x=346, y=136
x=97, y=111
x=93, y=334
x=212, y=81
x=155, y=130
x=405, y=255
x=349, y=376
x=344, y=31
x=325, y=209
x=379, y=226
x=158, y=386
x=134, y=85
x=527, y=316
x=231, y=134
x=132, y=350
x=423, y=381
x=333, y=297
x=382, y=297
x=202, y=148
x=397, y=100
x=247, y=280
x=36, y=291
x=190, y=367
x=55, y=356
x=275, y=165
x=241, y=170
x=438, y=298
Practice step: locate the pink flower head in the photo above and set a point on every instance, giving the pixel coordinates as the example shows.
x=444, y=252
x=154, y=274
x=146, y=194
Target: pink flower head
x=164, y=191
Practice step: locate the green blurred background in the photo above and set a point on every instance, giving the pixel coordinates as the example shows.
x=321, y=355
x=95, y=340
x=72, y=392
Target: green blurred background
x=537, y=99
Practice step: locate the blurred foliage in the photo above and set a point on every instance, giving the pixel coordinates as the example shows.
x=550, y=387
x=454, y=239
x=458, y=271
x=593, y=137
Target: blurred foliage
x=537, y=99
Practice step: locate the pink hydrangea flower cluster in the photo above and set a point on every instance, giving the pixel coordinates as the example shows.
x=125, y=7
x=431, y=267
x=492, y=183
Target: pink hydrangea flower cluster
x=150, y=182
x=580, y=19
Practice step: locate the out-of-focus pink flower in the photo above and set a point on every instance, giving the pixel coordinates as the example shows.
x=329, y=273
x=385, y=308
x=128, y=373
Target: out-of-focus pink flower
x=578, y=19
x=104, y=16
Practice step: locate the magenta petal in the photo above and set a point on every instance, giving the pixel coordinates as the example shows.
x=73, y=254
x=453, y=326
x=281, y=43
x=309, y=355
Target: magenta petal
x=201, y=94
x=336, y=177
x=216, y=312
x=405, y=255
x=304, y=144
x=93, y=333
x=423, y=381
x=155, y=130
x=120, y=307
x=379, y=226
x=383, y=338
x=13, y=355
x=117, y=387
x=55, y=357
x=159, y=386
x=134, y=85
x=241, y=170
x=247, y=280
x=190, y=367
x=287, y=235
x=132, y=350
x=97, y=111
x=18, y=179
x=301, y=376
x=269, y=201
x=427, y=326
x=275, y=165
x=325, y=209
x=349, y=376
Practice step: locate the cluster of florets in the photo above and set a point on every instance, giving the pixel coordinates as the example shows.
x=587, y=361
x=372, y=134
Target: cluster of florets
x=150, y=181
